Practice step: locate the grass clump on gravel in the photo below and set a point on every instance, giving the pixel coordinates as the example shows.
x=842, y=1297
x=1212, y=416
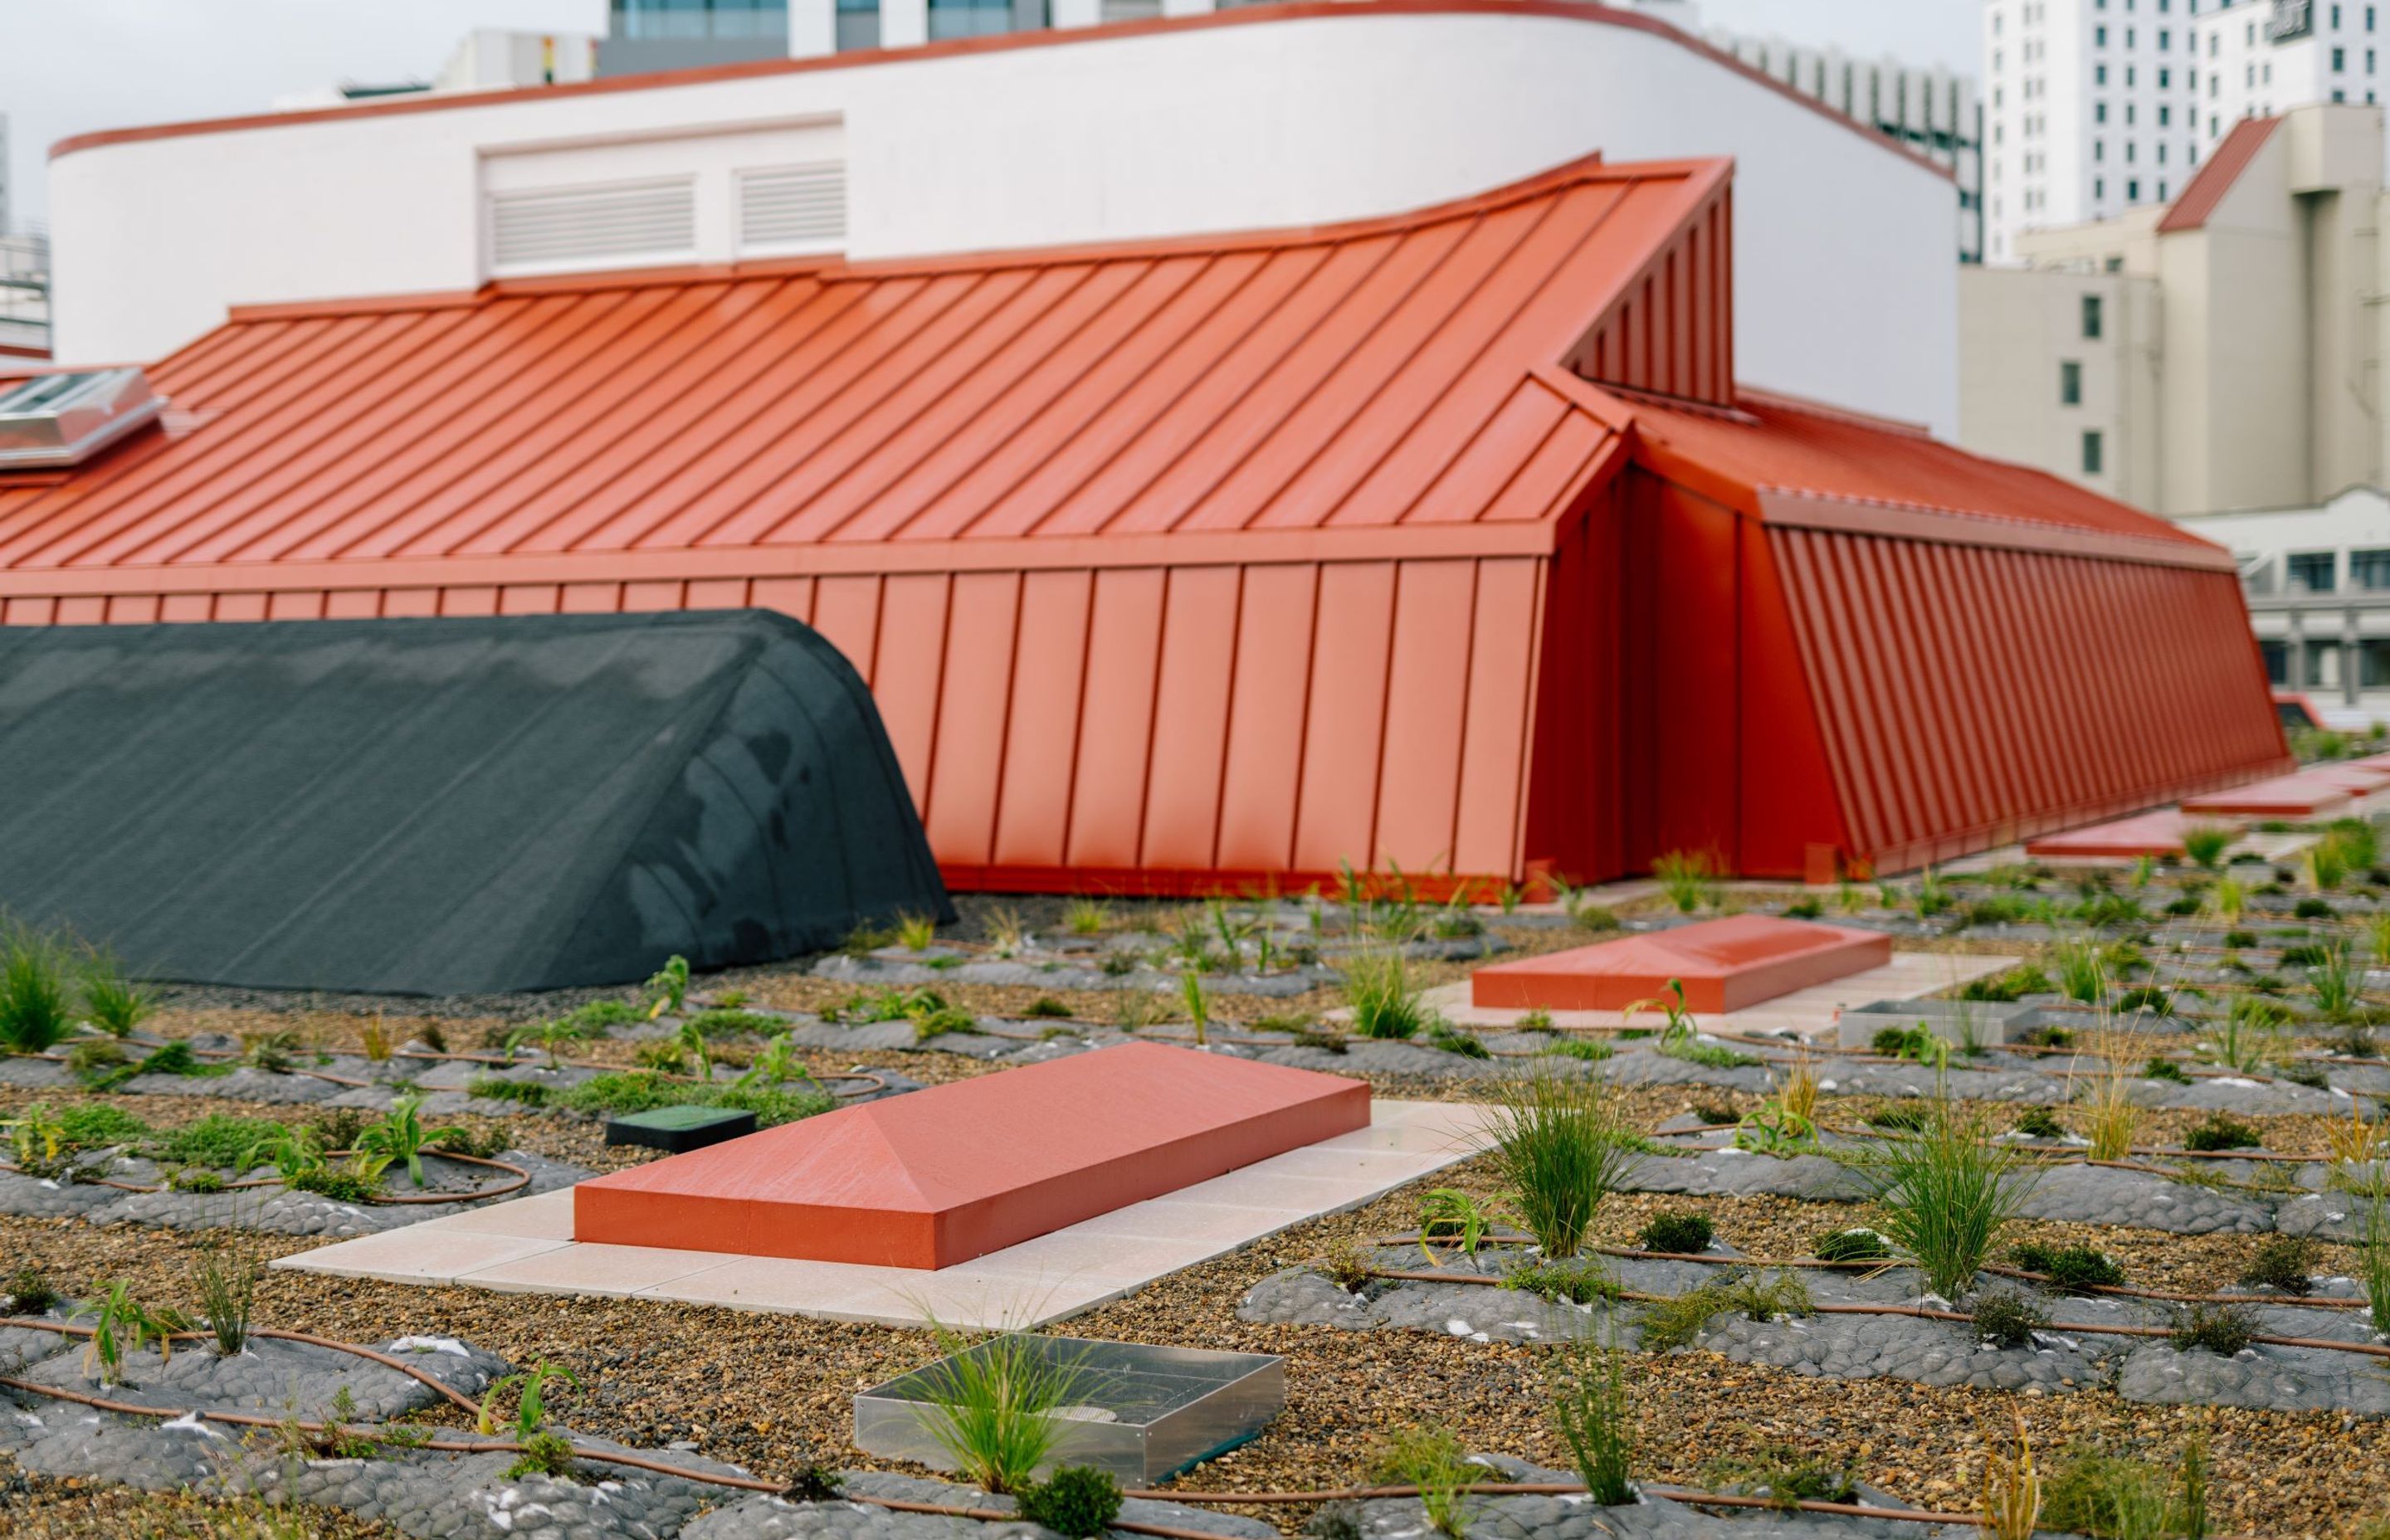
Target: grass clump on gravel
x=2218, y=1132
x=722, y=1021
x=34, y=968
x=2284, y=1262
x=2038, y=1122
x=2070, y=1269
x=1377, y=990
x=1675, y=1323
x=991, y=1405
x=95, y=1125
x=1785, y=1476
x=1686, y=1234
x=1591, y=1413
x=1946, y=1193
x=522, y=1093
x=218, y=1141
x=2112, y=1497
x=2222, y=1329
x=28, y=1293
x=1578, y=1280
x=1852, y=1246
x=2007, y=1319
x=1433, y=1460
x=1557, y=1145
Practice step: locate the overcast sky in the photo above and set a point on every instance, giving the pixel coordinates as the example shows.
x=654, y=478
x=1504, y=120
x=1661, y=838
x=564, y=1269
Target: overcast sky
x=69, y=68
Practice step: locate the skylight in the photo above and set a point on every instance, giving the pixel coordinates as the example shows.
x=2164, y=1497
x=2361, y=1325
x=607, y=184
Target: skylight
x=62, y=419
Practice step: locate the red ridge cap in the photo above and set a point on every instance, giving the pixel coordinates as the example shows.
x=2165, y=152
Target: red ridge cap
x=1041, y=37
x=2217, y=176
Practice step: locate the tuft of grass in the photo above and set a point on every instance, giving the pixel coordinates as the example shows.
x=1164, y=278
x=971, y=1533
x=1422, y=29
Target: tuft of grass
x=1591, y=1412
x=219, y=1142
x=2007, y=1319
x=990, y=1404
x=2107, y=1498
x=1852, y=1246
x=2004, y=988
x=2222, y=1329
x=225, y=1270
x=2012, y=1489
x=1785, y=1476
x=1587, y=1050
x=2205, y=844
x=1557, y=1144
x=1432, y=1460
x=916, y=932
x=1946, y=1192
x=2217, y=1131
x=2039, y=1123
x=1086, y=917
x=1684, y=1234
x=34, y=967
x=111, y=1002
x=1378, y=989
x=28, y=1293
x=1689, y=877
x=633, y=1091
x=2111, y=1119
x=1578, y=1280
x=2070, y=1269
x=2284, y=1262
x=1676, y=1322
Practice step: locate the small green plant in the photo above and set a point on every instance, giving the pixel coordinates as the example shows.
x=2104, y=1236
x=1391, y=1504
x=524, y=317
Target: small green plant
x=110, y=1001
x=1591, y=1412
x=2012, y=1489
x=1785, y=1476
x=1901, y=1117
x=2217, y=1131
x=1689, y=877
x=1946, y=1192
x=1377, y=990
x=28, y=1293
x=2005, y=987
x=2082, y=972
x=2338, y=983
x=1852, y=1246
x=1914, y=1043
x=1557, y=1146
x=1682, y=1233
x=1678, y=1322
x=121, y=1325
x=2039, y=1123
x=524, y=1093
x=2070, y=1269
x=225, y=1270
x=1576, y=1280
x=990, y=1406
x=399, y=1137
x=2373, y=1256
x=34, y=967
x=553, y=1036
x=778, y=1064
x=1444, y=1037
x=2165, y=1069
x=2007, y=1319
x=2222, y=1329
x=544, y=1454
x=2205, y=844
x=1046, y=1008
x=1590, y=1050
x=916, y=932
x=2107, y=1498
x=531, y=1400
x=2285, y=1263
x=1434, y=1461
x=1451, y=1217
x=668, y=987
x=1198, y=1008
x=1086, y=917
x=1077, y=1501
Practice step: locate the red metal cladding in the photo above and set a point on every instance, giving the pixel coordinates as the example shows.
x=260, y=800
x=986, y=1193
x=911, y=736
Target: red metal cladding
x=1443, y=542
x=1722, y=965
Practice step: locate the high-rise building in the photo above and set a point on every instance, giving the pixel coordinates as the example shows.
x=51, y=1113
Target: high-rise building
x=1934, y=112
x=2091, y=109
x=2258, y=58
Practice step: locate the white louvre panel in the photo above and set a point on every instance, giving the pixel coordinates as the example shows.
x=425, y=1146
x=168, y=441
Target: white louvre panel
x=792, y=208
x=619, y=225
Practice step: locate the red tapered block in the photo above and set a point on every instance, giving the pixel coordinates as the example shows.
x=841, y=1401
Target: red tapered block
x=940, y=1176
x=2358, y=778
x=2302, y=795
x=1724, y=965
x=2144, y=834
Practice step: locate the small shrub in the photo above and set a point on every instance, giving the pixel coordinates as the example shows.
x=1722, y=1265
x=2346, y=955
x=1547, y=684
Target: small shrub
x=95, y=1125
x=2147, y=997
x=1442, y=1034
x=1598, y=919
x=35, y=965
x=1852, y=1246
x=1901, y=1117
x=1709, y=1056
x=1432, y=1460
x=114, y=1003
x=1716, y=1114
x=1904, y=1043
x=2070, y=1269
x=2006, y=987
x=1678, y=1322
x=1684, y=1234
x=2107, y=1498
x=219, y=1142
x=28, y=1293
x=1577, y=1280
x=1590, y=1050
x=1808, y=908
x=2236, y=939
x=2313, y=909
x=2222, y=1329
x=2205, y=844
x=1046, y=1008
x=2039, y=1123
x=2218, y=1132
x=1946, y=1194
x=2007, y=1319
x=1378, y=989
x=2048, y=1037
x=2282, y=1262
x=1077, y=1501
x=524, y=1093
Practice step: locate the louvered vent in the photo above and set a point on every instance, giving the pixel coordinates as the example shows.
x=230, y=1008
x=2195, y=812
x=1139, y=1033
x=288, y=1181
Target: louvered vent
x=792, y=208
x=620, y=223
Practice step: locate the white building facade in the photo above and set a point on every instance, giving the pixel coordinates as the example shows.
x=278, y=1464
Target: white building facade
x=2089, y=110
x=1290, y=116
x=2318, y=579
x=2260, y=58
x=1935, y=113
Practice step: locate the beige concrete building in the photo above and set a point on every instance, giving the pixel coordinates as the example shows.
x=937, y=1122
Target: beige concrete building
x=2222, y=352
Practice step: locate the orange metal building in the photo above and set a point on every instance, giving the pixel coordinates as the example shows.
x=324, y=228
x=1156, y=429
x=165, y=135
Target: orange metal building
x=1444, y=541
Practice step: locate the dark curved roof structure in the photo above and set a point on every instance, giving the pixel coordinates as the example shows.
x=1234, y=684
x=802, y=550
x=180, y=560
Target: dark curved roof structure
x=450, y=806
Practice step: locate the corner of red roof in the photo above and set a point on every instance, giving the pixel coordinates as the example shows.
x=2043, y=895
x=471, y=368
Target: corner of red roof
x=2217, y=177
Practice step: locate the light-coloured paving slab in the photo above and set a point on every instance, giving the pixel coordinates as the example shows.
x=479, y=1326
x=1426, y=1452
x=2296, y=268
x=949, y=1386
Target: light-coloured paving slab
x=525, y=1246
x=1810, y=1013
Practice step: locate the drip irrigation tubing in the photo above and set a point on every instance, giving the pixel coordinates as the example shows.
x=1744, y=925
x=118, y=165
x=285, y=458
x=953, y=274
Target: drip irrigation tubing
x=521, y=1180
x=2370, y=1350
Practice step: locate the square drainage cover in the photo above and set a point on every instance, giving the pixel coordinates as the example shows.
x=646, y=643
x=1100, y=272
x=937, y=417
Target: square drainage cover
x=1142, y=1412
x=679, y=1129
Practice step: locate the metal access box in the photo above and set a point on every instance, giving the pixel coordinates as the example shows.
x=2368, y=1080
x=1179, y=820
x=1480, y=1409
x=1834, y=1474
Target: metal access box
x=1140, y=1412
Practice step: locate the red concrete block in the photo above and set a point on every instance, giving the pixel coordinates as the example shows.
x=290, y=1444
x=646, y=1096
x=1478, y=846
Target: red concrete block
x=940, y=1176
x=2157, y=833
x=2359, y=778
x=1724, y=964
x=2301, y=795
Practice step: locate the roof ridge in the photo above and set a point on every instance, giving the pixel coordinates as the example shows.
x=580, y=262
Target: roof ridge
x=2217, y=176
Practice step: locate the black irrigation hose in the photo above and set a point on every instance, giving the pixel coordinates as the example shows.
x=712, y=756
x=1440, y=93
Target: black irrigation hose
x=2370, y=1350
x=521, y=1180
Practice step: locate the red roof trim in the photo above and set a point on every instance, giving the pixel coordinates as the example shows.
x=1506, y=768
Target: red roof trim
x=1810, y=510
x=2216, y=178
x=1044, y=37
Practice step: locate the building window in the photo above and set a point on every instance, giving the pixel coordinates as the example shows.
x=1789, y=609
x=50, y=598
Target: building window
x=2069, y=391
x=2098, y=112
x=2099, y=74
x=647, y=20
x=2099, y=37
x=2278, y=660
x=970, y=19
x=2094, y=452
x=2339, y=60
x=2133, y=190
x=2098, y=187
x=858, y=24
x=2091, y=317
x=2369, y=570
x=2099, y=149
x=2309, y=572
